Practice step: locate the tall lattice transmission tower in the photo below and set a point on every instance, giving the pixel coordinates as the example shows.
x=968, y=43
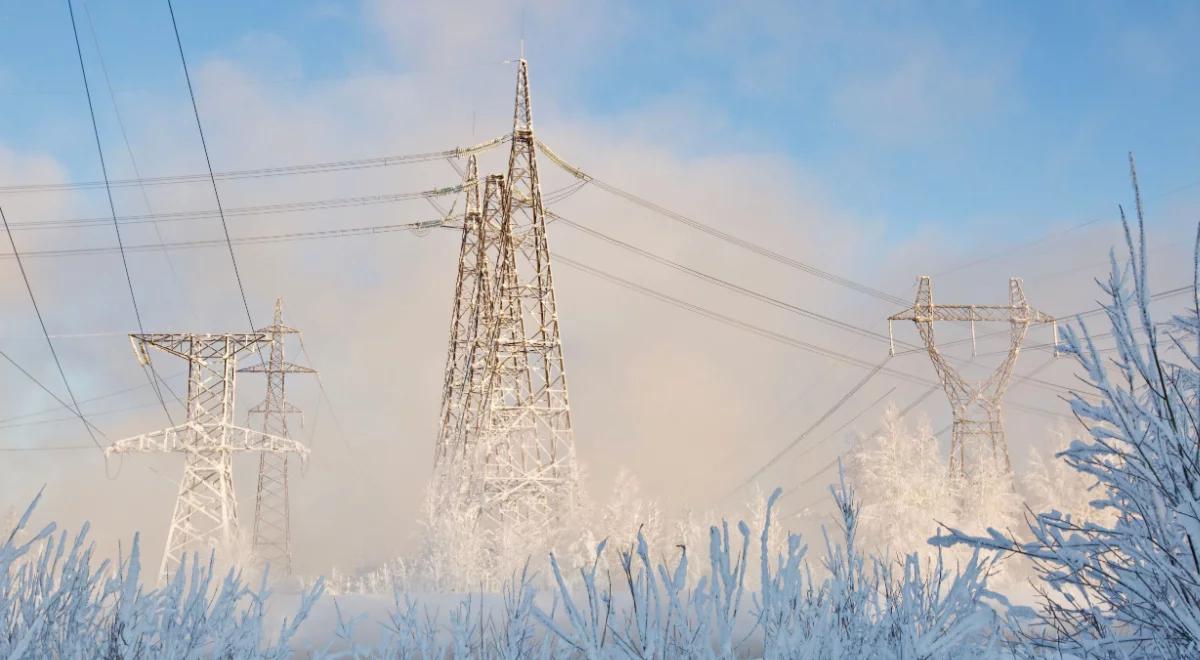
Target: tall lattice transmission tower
x=271, y=541
x=205, y=514
x=978, y=421
x=506, y=448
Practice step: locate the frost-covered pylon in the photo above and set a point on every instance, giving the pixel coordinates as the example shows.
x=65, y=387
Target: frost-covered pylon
x=205, y=514
x=978, y=420
x=506, y=448
x=271, y=540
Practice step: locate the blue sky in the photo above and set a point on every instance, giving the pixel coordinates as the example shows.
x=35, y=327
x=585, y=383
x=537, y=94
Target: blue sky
x=948, y=113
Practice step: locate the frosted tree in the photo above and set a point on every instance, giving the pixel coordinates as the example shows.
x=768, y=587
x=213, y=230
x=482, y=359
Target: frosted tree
x=1129, y=587
x=901, y=479
x=1050, y=482
x=453, y=553
x=986, y=497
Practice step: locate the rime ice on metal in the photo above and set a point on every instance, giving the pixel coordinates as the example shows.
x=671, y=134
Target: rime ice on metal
x=978, y=423
x=271, y=541
x=506, y=448
x=206, y=510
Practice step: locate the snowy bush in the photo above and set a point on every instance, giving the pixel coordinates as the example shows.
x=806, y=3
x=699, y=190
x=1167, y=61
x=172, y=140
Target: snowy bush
x=56, y=602
x=1127, y=585
x=690, y=607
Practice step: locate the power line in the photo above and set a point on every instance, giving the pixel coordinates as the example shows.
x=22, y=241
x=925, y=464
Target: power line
x=833, y=433
x=751, y=293
x=415, y=227
x=32, y=449
x=717, y=233
x=49, y=342
x=260, y=209
x=728, y=320
x=1053, y=234
x=837, y=405
x=825, y=468
x=133, y=164
x=263, y=172
x=337, y=423
x=68, y=418
x=1019, y=246
x=763, y=332
x=25, y=372
x=137, y=312
x=108, y=395
x=775, y=302
x=208, y=161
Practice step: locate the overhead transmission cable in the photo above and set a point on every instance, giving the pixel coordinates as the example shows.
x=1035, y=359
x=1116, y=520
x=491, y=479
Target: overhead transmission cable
x=259, y=209
x=263, y=172
x=74, y=407
x=208, y=162
x=137, y=312
x=137, y=173
x=717, y=233
x=287, y=237
x=42, y=386
x=832, y=463
x=763, y=332
x=751, y=293
x=837, y=405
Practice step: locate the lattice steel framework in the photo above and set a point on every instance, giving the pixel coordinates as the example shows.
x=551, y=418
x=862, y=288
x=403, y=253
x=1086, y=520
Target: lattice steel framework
x=271, y=540
x=978, y=421
x=206, y=509
x=472, y=301
x=506, y=447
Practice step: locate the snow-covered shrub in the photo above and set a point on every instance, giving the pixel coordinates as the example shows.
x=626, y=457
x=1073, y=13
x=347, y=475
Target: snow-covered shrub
x=874, y=606
x=56, y=602
x=692, y=606
x=1128, y=586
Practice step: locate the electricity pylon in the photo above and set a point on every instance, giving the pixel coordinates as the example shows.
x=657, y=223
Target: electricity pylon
x=530, y=474
x=506, y=430
x=470, y=303
x=271, y=541
x=205, y=514
x=978, y=422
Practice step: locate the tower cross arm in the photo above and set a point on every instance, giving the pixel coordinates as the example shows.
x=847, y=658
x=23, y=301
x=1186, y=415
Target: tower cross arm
x=278, y=329
x=179, y=343
x=244, y=439
x=283, y=368
x=968, y=313
x=193, y=437
x=174, y=438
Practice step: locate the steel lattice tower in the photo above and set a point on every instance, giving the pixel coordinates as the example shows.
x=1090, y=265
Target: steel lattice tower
x=471, y=299
x=205, y=514
x=271, y=541
x=978, y=421
x=506, y=448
